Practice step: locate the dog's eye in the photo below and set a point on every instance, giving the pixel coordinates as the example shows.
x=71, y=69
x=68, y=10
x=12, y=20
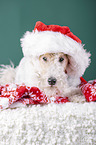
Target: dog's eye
x=44, y=58
x=61, y=59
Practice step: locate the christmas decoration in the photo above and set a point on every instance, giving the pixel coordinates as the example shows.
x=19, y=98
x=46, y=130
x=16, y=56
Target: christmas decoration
x=88, y=90
x=54, y=39
x=10, y=94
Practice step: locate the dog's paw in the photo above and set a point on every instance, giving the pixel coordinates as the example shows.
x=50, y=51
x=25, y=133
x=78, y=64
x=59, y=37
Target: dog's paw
x=78, y=98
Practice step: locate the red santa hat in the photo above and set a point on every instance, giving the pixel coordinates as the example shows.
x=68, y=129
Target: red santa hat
x=53, y=39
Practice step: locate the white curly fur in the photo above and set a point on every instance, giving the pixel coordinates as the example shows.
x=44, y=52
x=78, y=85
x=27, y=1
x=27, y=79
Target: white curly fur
x=7, y=74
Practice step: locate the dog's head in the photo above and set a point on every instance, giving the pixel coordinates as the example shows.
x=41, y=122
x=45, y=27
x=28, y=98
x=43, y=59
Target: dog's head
x=54, y=78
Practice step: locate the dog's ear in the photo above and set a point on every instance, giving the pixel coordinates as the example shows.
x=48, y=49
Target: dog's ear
x=67, y=63
x=71, y=66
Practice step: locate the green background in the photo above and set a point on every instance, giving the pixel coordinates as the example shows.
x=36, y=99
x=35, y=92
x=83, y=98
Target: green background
x=18, y=16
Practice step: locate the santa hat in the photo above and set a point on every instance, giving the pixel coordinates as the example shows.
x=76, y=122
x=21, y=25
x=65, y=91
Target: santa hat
x=53, y=39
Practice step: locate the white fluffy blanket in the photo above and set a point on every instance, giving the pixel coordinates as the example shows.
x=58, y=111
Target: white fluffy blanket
x=52, y=124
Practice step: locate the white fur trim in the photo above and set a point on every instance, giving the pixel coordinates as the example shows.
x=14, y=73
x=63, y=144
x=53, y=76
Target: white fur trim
x=38, y=43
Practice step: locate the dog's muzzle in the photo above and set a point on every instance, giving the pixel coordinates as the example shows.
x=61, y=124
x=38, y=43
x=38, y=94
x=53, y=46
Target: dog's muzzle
x=52, y=81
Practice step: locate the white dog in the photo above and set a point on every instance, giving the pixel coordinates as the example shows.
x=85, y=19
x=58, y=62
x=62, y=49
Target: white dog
x=49, y=66
x=47, y=72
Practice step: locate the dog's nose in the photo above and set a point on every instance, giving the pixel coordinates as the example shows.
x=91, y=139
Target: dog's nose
x=52, y=81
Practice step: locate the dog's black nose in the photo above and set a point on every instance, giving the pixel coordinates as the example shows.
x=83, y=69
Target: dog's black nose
x=52, y=81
